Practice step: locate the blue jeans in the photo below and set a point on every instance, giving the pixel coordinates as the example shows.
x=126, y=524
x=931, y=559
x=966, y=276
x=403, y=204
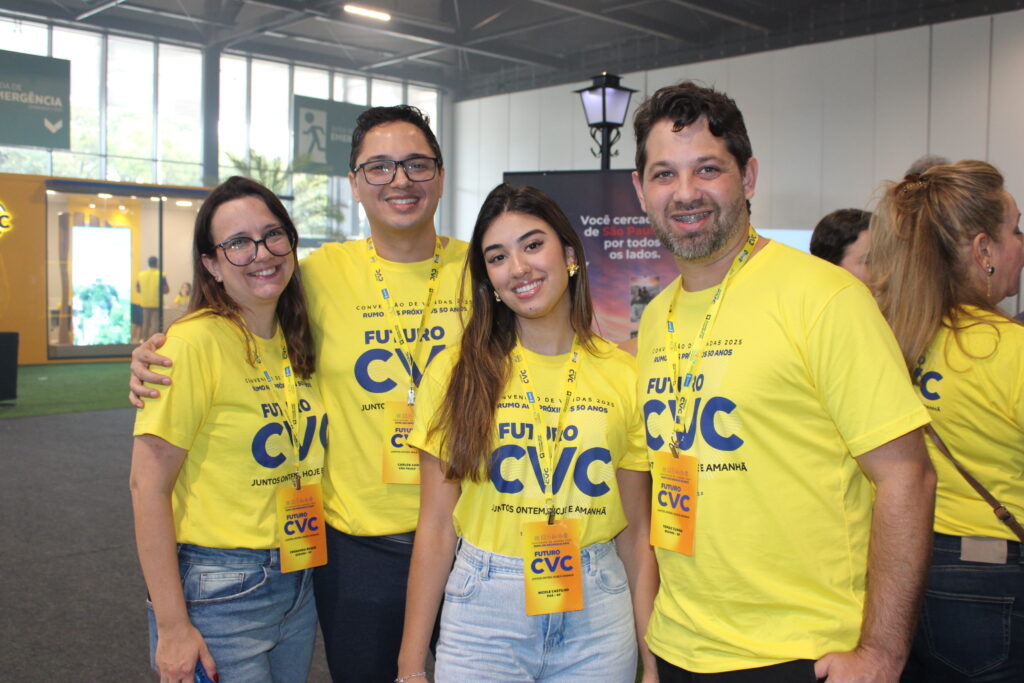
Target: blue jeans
x=486, y=635
x=972, y=624
x=259, y=624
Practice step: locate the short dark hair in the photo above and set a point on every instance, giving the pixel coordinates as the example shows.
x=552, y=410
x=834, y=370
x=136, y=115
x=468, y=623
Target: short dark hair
x=683, y=104
x=153, y=261
x=922, y=164
x=209, y=294
x=836, y=231
x=378, y=116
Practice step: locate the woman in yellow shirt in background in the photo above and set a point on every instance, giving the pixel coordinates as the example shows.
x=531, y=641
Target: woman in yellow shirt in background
x=946, y=249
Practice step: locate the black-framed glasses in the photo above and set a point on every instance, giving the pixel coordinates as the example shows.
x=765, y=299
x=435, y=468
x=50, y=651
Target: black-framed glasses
x=382, y=171
x=241, y=251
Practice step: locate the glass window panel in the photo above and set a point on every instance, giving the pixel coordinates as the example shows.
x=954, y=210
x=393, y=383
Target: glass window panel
x=129, y=170
x=23, y=36
x=231, y=128
x=71, y=165
x=179, y=104
x=269, y=133
x=311, y=82
x=350, y=89
x=84, y=50
x=426, y=100
x=130, y=98
x=385, y=93
x=171, y=173
x=24, y=160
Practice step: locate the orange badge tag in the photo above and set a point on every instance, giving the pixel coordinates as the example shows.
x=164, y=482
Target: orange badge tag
x=551, y=566
x=300, y=522
x=401, y=462
x=674, y=502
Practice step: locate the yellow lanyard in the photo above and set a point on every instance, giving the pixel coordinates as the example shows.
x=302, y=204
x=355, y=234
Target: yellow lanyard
x=675, y=346
x=389, y=308
x=546, y=456
x=289, y=401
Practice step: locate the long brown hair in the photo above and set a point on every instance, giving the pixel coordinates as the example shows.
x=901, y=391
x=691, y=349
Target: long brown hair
x=920, y=255
x=465, y=419
x=209, y=296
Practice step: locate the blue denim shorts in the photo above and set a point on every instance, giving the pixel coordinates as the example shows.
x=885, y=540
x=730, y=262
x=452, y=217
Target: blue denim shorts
x=486, y=635
x=259, y=624
x=972, y=625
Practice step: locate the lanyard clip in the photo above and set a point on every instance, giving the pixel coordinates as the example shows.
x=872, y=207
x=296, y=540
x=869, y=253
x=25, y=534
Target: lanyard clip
x=412, y=395
x=551, y=515
x=298, y=481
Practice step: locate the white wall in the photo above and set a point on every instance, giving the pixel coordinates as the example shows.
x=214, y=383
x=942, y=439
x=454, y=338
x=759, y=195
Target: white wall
x=829, y=122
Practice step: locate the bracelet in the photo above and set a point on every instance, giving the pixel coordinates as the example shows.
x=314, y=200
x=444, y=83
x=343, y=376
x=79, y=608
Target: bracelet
x=418, y=674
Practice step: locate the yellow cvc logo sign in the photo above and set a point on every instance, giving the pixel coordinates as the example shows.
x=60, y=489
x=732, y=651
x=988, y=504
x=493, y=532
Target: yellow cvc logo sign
x=5, y=221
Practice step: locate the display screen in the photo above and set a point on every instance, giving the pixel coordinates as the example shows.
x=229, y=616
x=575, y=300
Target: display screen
x=101, y=279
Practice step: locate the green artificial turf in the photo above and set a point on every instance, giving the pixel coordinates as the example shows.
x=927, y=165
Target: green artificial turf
x=68, y=388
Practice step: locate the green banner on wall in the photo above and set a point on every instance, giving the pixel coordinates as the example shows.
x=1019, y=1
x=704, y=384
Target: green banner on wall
x=323, y=135
x=35, y=101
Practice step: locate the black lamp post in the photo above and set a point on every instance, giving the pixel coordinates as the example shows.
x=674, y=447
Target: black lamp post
x=605, y=103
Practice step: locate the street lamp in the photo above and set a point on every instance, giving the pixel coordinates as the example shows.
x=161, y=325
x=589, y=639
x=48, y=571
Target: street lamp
x=605, y=103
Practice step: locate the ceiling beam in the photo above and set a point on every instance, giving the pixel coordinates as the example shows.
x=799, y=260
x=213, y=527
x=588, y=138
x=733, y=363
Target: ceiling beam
x=720, y=15
x=268, y=22
x=565, y=7
x=96, y=10
x=525, y=28
x=518, y=57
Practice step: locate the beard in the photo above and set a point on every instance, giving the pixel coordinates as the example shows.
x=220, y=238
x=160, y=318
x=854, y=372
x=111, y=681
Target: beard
x=699, y=246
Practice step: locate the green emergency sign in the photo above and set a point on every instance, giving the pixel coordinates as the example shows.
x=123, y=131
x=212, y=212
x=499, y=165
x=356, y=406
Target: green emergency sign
x=35, y=101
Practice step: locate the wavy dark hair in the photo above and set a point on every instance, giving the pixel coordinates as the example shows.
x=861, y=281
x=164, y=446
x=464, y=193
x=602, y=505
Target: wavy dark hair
x=209, y=296
x=685, y=103
x=920, y=242
x=465, y=419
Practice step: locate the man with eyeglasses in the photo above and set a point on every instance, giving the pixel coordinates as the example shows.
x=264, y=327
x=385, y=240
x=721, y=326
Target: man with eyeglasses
x=381, y=309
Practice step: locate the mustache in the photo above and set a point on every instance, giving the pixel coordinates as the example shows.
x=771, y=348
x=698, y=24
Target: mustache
x=698, y=205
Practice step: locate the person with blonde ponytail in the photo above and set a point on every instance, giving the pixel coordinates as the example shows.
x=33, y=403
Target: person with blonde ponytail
x=946, y=249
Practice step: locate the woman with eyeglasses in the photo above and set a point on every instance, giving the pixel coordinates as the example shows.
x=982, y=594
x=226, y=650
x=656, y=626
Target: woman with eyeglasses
x=946, y=249
x=241, y=426
x=533, y=472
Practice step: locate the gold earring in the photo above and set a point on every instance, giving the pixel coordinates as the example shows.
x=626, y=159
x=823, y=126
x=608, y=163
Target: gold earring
x=496, y=297
x=573, y=268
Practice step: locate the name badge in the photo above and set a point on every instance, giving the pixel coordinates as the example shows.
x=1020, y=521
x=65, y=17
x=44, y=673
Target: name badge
x=551, y=567
x=300, y=526
x=674, y=502
x=401, y=462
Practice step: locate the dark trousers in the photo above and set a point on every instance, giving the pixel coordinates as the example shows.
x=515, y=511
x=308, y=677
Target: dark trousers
x=972, y=624
x=797, y=671
x=360, y=602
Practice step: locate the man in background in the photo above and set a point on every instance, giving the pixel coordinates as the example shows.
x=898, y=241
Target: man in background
x=150, y=286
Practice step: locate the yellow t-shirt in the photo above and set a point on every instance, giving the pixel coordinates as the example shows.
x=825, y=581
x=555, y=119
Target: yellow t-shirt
x=359, y=370
x=232, y=423
x=148, y=286
x=976, y=398
x=602, y=433
x=800, y=375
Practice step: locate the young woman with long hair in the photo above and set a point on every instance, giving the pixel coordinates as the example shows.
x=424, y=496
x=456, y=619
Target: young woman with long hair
x=946, y=249
x=529, y=435
x=242, y=419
